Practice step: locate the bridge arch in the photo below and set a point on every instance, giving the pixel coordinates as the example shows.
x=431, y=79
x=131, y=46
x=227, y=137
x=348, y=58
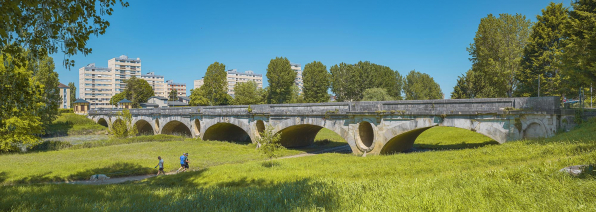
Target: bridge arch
x=224, y=131
x=533, y=128
x=299, y=135
x=175, y=127
x=103, y=122
x=144, y=127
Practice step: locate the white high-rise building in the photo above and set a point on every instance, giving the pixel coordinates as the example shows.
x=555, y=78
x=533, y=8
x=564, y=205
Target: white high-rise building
x=96, y=85
x=124, y=68
x=157, y=82
x=234, y=77
x=298, y=80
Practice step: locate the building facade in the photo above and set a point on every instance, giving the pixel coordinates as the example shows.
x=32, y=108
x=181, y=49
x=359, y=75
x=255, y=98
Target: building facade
x=198, y=83
x=96, y=85
x=65, y=95
x=234, y=77
x=298, y=80
x=124, y=68
x=157, y=82
x=180, y=88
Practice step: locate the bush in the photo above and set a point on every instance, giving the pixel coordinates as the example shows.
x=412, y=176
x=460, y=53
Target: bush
x=62, y=110
x=268, y=143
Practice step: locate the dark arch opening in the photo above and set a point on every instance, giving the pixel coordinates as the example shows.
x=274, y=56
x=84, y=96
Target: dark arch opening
x=226, y=132
x=144, y=127
x=176, y=128
x=299, y=135
x=260, y=127
x=366, y=133
x=102, y=122
x=436, y=138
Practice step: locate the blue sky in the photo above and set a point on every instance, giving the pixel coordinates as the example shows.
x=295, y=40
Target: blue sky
x=179, y=39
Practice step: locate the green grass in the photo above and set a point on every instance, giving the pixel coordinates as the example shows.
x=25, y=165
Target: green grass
x=74, y=124
x=441, y=138
x=515, y=176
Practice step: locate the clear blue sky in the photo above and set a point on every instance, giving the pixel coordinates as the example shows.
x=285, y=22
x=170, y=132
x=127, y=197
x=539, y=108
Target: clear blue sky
x=180, y=40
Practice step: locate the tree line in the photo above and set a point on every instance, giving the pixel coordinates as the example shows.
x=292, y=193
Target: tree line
x=513, y=57
x=362, y=81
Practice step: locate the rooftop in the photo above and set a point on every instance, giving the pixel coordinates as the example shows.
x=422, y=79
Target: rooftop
x=62, y=86
x=81, y=101
x=159, y=97
x=248, y=73
x=124, y=101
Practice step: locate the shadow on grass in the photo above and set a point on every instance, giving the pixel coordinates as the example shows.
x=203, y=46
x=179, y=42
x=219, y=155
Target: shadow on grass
x=114, y=170
x=319, y=145
x=235, y=195
x=462, y=145
x=270, y=163
x=3, y=177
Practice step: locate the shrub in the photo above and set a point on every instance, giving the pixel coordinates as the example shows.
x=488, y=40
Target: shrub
x=62, y=110
x=269, y=142
x=123, y=127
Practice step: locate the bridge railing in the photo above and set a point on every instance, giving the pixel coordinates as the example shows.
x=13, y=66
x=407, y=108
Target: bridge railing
x=549, y=105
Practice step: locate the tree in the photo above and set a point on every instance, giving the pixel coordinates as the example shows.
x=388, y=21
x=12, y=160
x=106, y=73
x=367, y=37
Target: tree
x=295, y=96
x=123, y=127
x=138, y=91
x=21, y=95
x=269, y=142
x=197, y=98
x=247, y=93
x=420, y=86
x=173, y=95
x=496, y=54
x=346, y=82
x=46, y=26
x=43, y=72
x=316, y=82
x=281, y=78
x=215, y=88
x=376, y=94
x=579, y=58
x=542, y=54
x=73, y=93
x=117, y=98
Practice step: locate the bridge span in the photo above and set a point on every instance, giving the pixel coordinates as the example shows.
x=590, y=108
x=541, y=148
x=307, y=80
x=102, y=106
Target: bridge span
x=373, y=127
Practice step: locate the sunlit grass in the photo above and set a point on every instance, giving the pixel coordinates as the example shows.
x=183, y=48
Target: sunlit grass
x=74, y=124
x=515, y=176
x=439, y=138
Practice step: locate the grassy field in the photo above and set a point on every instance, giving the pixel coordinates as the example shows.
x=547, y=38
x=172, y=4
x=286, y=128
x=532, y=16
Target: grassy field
x=74, y=124
x=515, y=176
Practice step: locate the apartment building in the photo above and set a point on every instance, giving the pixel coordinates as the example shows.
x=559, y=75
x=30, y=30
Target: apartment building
x=65, y=95
x=96, y=85
x=298, y=80
x=233, y=77
x=124, y=68
x=157, y=82
x=180, y=88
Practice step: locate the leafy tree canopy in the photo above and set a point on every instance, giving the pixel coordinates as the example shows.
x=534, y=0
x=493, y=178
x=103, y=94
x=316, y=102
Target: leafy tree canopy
x=376, y=94
x=281, y=78
x=49, y=26
x=316, y=82
x=247, y=93
x=420, y=86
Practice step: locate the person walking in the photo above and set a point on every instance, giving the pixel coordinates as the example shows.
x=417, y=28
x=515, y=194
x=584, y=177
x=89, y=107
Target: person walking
x=183, y=160
x=186, y=162
x=160, y=164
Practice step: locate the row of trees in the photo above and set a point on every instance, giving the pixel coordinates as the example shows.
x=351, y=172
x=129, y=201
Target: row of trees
x=511, y=55
x=363, y=81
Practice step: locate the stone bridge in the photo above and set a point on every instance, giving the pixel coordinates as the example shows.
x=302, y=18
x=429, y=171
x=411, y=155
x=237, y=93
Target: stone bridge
x=373, y=127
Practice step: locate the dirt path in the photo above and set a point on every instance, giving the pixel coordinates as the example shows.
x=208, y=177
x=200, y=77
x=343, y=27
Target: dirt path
x=339, y=149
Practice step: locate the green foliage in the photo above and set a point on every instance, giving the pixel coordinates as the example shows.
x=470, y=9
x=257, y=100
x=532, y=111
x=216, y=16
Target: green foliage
x=74, y=124
x=73, y=93
x=420, y=86
x=137, y=91
x=173, y=96
x=316, y=82
x=281, y=78
x=246, y=93
x=22, y=99
x=496, y=56
x=349, y=82
x=43, y=72
x=117, y=98
x=214, y=89
x=48, y=26
x=580, y=50
x=64, y=110
x=51, y=145
x=376, y=94
x=541, y=58
x=295, y=96
x=269, y=142
x=122, y=127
